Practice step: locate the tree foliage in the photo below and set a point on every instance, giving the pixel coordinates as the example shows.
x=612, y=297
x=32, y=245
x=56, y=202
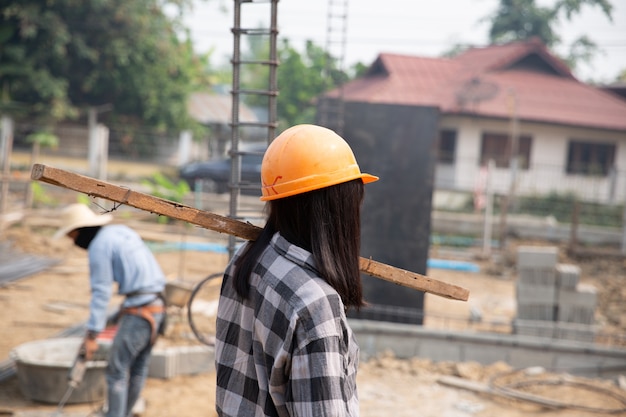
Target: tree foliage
x=524, y=19
x=301, y=78
x=62, y=56
x=517, y=20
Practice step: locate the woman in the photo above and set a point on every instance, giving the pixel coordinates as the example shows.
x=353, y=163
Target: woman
x=283, y=344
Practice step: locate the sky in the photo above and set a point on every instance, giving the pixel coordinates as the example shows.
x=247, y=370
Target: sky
x=412, y=27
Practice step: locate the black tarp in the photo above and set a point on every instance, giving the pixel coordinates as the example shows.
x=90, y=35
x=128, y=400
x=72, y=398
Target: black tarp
x=396, y=143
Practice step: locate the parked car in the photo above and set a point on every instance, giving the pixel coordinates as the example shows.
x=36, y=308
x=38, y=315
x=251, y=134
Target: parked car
x=214, y=175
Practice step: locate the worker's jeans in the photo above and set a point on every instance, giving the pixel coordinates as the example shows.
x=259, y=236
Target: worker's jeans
x=128, y=364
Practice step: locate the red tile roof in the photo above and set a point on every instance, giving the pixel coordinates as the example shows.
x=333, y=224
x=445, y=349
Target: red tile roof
x=486, y=81
x=499, y=57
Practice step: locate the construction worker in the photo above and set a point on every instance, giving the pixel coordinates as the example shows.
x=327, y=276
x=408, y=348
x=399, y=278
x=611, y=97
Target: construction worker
x=117, y=254
x=283, y=344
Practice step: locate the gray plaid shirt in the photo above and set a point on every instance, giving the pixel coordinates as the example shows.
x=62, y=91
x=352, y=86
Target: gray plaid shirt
x=287, y=350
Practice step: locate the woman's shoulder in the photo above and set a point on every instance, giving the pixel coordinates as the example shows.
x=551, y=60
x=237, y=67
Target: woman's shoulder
x=301, y=287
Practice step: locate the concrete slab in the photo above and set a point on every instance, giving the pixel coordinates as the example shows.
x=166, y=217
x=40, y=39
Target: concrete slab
x=537, y=276
x=535, y=328
x=575, y=332
x=439, y=351
x=577, y=305
x=485, y=354
x=543, y=358
x=520, y=351
x=541, y=257
x=528, y=293
x=568, y=275
x=536, y=312
x=169, y=362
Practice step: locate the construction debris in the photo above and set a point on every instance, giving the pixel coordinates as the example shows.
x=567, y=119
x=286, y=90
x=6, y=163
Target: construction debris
x=15, y=265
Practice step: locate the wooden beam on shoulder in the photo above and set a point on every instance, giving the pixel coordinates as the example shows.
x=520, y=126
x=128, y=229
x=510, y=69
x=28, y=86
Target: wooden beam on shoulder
x=222, y=224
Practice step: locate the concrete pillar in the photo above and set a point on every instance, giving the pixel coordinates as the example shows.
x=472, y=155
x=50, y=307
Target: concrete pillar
x=395, y=143
x=184, y=147
x=6, y=148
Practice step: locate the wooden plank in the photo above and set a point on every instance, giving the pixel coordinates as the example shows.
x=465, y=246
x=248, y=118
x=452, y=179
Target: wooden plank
x=123, y=195
x=222, y=224
x=412, y=280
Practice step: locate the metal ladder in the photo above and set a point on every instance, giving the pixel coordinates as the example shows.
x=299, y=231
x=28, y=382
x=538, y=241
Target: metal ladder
x=331, y=111
x=238, y=93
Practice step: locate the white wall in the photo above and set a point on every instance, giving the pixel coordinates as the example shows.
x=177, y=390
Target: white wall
x=548, y=160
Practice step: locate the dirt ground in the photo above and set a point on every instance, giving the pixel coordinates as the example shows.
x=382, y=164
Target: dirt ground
x=47, y=302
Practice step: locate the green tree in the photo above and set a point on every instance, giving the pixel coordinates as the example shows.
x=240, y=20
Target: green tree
x=517, y=20
x=61, y=56
x=358, y=70
x=301, y=78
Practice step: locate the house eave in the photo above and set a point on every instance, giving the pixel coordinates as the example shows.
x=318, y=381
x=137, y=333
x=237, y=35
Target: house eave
x=551, y=123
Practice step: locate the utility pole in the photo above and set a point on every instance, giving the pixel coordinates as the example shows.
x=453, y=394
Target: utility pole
x=98, y=150
x=6, y=147
x=332, y=109
x=508, y=200
x=488, y=220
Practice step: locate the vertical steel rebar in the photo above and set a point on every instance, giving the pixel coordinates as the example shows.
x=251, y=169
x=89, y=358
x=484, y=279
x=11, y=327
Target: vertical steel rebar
x=331, y=111
x=271, y=93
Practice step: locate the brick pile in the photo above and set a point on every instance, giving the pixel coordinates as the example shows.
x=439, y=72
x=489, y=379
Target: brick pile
x=551, y=300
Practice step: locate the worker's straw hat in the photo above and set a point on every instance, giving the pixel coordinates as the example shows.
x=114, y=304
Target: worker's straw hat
x=76, y=216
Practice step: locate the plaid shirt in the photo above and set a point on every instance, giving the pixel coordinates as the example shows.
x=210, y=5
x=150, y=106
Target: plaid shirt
x=287, y=349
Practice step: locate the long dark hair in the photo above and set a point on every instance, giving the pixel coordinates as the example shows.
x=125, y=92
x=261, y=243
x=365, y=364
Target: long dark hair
x=327, y=223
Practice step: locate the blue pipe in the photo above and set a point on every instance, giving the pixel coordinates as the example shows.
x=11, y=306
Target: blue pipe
x=218, y=248
x=454, y=265
x=194, y=246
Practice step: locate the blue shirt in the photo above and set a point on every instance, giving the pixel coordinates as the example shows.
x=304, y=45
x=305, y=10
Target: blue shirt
x=287, y=350
x=118, y=254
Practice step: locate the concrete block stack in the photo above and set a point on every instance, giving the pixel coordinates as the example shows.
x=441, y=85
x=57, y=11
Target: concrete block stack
x=536, y=283
x=172, y=361
x=551, y=302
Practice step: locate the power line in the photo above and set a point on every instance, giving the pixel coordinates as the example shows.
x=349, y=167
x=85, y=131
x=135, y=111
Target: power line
x=613, y=43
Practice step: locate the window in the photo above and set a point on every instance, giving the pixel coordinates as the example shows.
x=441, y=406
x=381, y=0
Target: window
x=497, y=146
x=590, y=158
x=446, y=146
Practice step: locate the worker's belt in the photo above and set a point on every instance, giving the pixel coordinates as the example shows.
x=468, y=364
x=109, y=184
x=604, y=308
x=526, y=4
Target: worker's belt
x=147, y=312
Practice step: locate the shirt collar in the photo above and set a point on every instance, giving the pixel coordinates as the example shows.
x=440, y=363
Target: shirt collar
x=295, y=254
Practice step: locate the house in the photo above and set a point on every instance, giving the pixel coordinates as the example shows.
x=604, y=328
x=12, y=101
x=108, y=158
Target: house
x=570, y=136
x=429, y=127
x=214, y=110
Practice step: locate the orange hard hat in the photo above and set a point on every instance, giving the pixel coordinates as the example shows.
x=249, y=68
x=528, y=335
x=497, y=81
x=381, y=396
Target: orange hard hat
x=305, y=158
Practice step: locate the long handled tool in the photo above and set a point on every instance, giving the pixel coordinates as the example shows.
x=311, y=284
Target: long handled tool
x=215, y=222
x=74, y=378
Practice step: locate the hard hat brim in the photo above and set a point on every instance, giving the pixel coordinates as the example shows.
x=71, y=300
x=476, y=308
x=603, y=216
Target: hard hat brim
x=306, y=158
x=274, y=192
